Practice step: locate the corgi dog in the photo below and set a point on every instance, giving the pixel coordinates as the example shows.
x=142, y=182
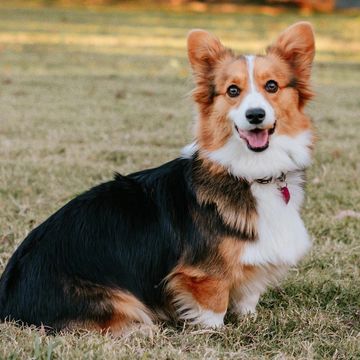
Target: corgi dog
x=198, y=236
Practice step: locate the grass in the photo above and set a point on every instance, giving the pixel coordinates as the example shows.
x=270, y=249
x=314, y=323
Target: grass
x=87, y=93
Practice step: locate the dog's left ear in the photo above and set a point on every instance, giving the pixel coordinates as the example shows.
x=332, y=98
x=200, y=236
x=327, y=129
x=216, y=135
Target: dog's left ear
x=296, y=45
x=204, y=49
x=204, y=52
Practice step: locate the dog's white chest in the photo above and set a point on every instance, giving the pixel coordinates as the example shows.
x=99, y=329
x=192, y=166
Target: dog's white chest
x=282, y=237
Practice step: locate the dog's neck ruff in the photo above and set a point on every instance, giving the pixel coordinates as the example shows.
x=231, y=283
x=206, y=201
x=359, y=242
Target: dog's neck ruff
x=215, y=187
x=225, y=176
x=285, y=155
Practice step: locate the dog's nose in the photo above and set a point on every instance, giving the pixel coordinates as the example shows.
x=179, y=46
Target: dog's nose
x=255, y=116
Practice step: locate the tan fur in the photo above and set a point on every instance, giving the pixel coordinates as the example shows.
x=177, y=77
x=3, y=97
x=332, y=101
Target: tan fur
x=126, y=311
x=245, y=279
x=243, y=219
x=223, y=282
x=208, y=289
x=121, y=309
x=214, y=188
x=290, y=119
x=214, y=128
x=254, y=280
x=230, y=250
x=296, y=45
x=210, y=284
x=207, y=55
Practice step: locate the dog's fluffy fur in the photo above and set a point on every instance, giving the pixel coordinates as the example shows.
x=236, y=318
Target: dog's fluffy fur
x=196, y=236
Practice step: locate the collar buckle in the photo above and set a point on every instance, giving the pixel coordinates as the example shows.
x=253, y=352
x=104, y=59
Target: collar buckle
x=267, y=180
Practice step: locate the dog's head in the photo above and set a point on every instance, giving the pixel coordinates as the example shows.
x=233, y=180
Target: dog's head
x=251, y=107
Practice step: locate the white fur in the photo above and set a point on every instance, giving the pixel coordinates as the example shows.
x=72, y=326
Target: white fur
x=245, y=297
x=189, y=309
x=253, y=99
x=247, y=304
x=189, y=150
x=205, y=318
x=284, y=154
x=282, y=239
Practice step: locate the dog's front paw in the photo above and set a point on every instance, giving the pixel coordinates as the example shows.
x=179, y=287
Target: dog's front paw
x=210, y=319
x=244, y=309
x=204, y=318
x=247, y=305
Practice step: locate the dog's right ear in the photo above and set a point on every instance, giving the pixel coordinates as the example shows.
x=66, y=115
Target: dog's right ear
x=296, y=45
x=204, y=50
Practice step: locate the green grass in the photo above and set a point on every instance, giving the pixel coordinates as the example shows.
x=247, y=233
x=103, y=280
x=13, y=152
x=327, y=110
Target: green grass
x=87, y=93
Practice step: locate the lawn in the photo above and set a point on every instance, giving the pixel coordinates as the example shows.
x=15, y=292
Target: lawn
x=86, y=93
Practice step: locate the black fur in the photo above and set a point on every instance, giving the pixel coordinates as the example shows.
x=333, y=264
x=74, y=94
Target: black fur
x=126, y=234
x=293, y=83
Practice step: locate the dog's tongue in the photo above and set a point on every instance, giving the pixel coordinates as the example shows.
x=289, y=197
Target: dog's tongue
x=257, y=138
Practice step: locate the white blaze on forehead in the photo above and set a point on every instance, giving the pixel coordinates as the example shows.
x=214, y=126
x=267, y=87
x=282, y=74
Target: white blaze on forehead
x=250, y=66
x=253, y=99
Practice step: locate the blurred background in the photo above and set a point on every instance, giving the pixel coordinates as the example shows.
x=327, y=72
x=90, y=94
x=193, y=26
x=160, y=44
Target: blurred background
x=88, y=87
x=317, y=5
x=92, y=86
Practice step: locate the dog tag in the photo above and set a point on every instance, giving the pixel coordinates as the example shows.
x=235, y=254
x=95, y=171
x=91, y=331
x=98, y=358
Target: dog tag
x=285, y=193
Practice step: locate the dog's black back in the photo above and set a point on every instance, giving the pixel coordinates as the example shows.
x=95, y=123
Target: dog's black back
x=114, y=235
x=125, y=234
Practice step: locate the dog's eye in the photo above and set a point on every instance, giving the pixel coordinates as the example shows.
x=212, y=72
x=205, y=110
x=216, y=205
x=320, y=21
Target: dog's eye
x=233, y=91
x=271, y=86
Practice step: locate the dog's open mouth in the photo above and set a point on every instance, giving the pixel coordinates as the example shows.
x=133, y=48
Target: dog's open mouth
x=256, y=139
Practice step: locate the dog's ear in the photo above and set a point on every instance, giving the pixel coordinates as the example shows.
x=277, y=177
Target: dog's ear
x=204, y=49
x=296, y=45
